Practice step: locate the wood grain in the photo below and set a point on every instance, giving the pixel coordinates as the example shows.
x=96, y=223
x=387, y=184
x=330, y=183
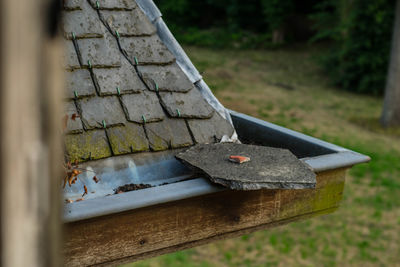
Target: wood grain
x=155, y=230
x=30, y=152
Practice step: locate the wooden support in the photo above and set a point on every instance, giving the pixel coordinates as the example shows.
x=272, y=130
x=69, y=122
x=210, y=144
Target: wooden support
x=31, y=85
x=152, y=231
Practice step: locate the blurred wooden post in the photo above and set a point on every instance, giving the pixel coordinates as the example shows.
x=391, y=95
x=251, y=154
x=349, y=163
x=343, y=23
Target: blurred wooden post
x=30, y=151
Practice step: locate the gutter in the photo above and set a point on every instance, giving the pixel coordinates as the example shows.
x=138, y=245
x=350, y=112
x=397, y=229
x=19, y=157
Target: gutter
x=330, y=157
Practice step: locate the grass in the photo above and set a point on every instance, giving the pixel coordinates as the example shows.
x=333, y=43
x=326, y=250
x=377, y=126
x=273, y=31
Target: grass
x=286, y=87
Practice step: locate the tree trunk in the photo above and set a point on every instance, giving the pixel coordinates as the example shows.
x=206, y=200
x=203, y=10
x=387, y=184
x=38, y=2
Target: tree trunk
x=278, y=36
x=391, y=105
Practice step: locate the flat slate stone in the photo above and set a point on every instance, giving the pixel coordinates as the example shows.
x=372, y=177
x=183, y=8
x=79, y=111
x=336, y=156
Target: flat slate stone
x=124, y=77
x=79, y=81
x=129, y=23
x=74, y=123
x=87, y=145
x=147, y=50
x=102, y=52
x=128, y=139
x=271, y=168
x=168, y=78
x=83, y=23
x=169, y=133
x=210, y=130
x=96, y=109
x=70, y=60
x=144, y=104
x=186, y=105
x=72, y=4
x=114, y=4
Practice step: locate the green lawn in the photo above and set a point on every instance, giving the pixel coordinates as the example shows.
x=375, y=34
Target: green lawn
x=286, y=87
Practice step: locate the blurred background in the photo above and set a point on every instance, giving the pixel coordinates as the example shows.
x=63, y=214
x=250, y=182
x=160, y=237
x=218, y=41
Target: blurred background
x=318, y=67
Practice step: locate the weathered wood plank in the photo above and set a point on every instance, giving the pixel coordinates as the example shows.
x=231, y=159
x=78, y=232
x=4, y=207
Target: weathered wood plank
x=152, y=231
x=30, y=151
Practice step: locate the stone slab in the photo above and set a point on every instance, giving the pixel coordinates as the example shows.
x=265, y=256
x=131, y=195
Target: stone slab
x=83, y=23
x=168, y=78
x=72, y=4
x=186, y=105
x=147, y=50
x=87, y=145
x=210, y=130
x=74, y=123
x=114, y=4
x=127, y=139
x=129, y=23
x=143, y=104
x=70, y=58
x=79, y=81
x=124, y=77
x=96, y=109
x=102, y=52
x=169, y=133
x=269, y=167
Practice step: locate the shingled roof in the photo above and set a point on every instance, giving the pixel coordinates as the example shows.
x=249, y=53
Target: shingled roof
x=126, y=92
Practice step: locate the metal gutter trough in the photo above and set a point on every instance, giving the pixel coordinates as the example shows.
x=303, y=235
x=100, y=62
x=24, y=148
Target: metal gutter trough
x=181, y=210
x=170, y=179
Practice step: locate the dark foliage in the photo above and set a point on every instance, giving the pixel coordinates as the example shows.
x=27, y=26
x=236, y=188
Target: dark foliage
x=361, y=31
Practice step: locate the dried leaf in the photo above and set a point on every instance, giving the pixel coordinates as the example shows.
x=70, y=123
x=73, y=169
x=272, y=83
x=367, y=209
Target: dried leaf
x=85, y=190
x=74, y=116
x=96, y=179
x=79, y=199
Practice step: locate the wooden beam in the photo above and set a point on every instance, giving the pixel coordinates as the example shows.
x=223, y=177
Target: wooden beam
x=148, y=232
x=30, y=152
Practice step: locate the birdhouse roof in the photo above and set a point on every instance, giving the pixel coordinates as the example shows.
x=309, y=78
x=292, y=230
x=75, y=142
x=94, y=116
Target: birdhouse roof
x=130, y=87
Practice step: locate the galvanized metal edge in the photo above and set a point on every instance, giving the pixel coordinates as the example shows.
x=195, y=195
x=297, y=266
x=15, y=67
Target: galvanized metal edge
x=138, y=199
x=343, y=159
x=287, y=132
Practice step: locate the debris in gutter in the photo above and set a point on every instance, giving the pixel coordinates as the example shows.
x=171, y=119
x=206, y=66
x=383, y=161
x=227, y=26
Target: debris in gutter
x=239, y=159
x=271, y=168
x=130, y=187
x=69, y=200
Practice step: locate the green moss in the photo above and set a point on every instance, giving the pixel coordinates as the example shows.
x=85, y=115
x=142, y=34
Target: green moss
x=157, y=143
x=88, y=145
x=127, y=139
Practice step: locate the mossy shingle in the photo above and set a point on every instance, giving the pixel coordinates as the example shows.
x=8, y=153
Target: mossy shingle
x=87, y=146
x=127, y=139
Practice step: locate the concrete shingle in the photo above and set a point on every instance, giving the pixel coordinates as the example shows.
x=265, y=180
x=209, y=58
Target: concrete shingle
x=144, y=104
x=168, y=133
x=186, y=105
x=96, y=109
x=124, y=77
x=129, y=23
x=83, y=23
x=147, y=50
x=79, y=81
x=74, y=123
x=127, y=139
x=210, y=130
x=72, y=4
x=114, y=4
x=168, y=78
x=102, y=52
x=70, y=60
x=87, y=145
